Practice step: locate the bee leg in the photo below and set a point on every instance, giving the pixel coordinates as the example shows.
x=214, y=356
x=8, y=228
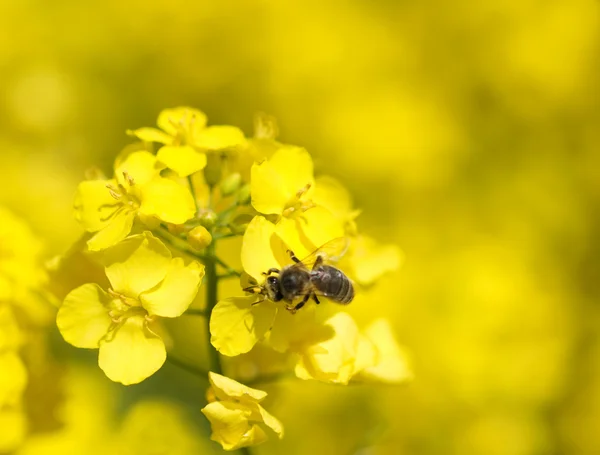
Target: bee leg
x=271, y=270
x=301, y=304
x=293, y=256
x=315, y=298
x=258, y=301
x=318, y=262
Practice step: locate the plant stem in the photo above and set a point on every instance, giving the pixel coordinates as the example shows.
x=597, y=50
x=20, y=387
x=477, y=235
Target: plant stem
x=211, y=300
x=193, y=191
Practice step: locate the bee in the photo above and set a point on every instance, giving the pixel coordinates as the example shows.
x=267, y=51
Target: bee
x=308, y=278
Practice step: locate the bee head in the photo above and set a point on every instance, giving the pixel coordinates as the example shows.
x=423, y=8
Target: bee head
x=273, y=289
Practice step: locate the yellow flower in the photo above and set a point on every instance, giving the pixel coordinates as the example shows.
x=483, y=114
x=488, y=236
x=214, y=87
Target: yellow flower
x=187, y=139
x=235, y=414
x=146, y=282
x=346, y=354
x=367, y=260
x=283, y=185
x=108, y=208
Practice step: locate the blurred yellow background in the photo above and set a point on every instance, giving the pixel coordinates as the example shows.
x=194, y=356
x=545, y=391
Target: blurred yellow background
x=469, y=133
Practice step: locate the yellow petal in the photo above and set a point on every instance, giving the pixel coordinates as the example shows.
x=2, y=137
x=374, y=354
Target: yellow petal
x=294, y=331
x=176, y=292
x=132, y=354
x=268, y=189
x=261, y=250
x=332, y=195
x=319, y=226
x=370, y=260
x=94, y=204
x=137, y=264
x=295, y=166
x=183, y=159
x=179, y=119
x=12, y=380
x=83, y=317
x=141, y=166
x=392, y=365
x=151, y=135
x=10, y=334
x=226, y=388
x=290, y=232
x=230, y=426
x=236, y=325
x=118, y=227
x=14, y=429
x=332, y=360
x=167, y=200
x=218, y=137
x=271, y=421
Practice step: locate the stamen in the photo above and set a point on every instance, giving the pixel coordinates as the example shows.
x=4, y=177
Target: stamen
x=303, y=190
x=128, y=178
x=113, y=191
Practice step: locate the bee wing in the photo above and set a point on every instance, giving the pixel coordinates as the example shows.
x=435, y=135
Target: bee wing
x=331, y=251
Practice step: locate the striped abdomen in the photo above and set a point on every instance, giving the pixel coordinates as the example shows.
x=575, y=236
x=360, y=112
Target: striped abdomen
x=332, y=283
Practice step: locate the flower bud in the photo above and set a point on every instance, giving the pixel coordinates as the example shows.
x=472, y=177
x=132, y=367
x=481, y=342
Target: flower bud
x=199, y=238
x=230, y=184
x=243, y=196
x=207, y=218
x=213, y=169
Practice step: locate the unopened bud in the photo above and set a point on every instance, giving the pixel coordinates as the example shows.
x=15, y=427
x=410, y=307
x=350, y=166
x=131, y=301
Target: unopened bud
x=208, y=218
x=176, y=229
x=212, y=171
x=199, y=238
x=243, y=196
x=231, y=184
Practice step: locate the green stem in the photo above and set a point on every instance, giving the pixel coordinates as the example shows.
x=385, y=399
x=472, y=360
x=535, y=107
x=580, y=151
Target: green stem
x=187, y=367
x=193, y=191
x=195, y=312
x=211, y=300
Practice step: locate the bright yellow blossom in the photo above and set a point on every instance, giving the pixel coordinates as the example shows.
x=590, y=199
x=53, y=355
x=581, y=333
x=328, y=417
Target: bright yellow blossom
x=235, y=414
x=186, y=139
x=283, y=185
x=108, y=208
x=146, y=282
x=347, y=354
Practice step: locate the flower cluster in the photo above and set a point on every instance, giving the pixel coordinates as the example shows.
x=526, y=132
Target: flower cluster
x=22, y=312
x=153, y=230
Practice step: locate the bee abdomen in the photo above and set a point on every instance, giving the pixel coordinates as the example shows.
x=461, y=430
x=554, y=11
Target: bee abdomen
x=332, y=283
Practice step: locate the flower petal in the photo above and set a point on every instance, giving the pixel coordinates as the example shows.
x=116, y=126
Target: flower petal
x=141, y=166
x=133, y=353
x=12, y=380
x=370, y=260
x=271, y=421
x=183, y=159
x=118, y=227
x=167, y=200
x=218, y=137
x=236, y=325
x=137, y=264
x=261, y=250
x=94, y=204
x=268, y=189
x=230, y=426
x=179, y=119
x=13, y=422
x=392, y=364
x=319, y=226
x=83, y=317
x=332, y=195
x=176, y=292
x=295, y=167
x=226, y=388
x=151, y=135
x=332, y=360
